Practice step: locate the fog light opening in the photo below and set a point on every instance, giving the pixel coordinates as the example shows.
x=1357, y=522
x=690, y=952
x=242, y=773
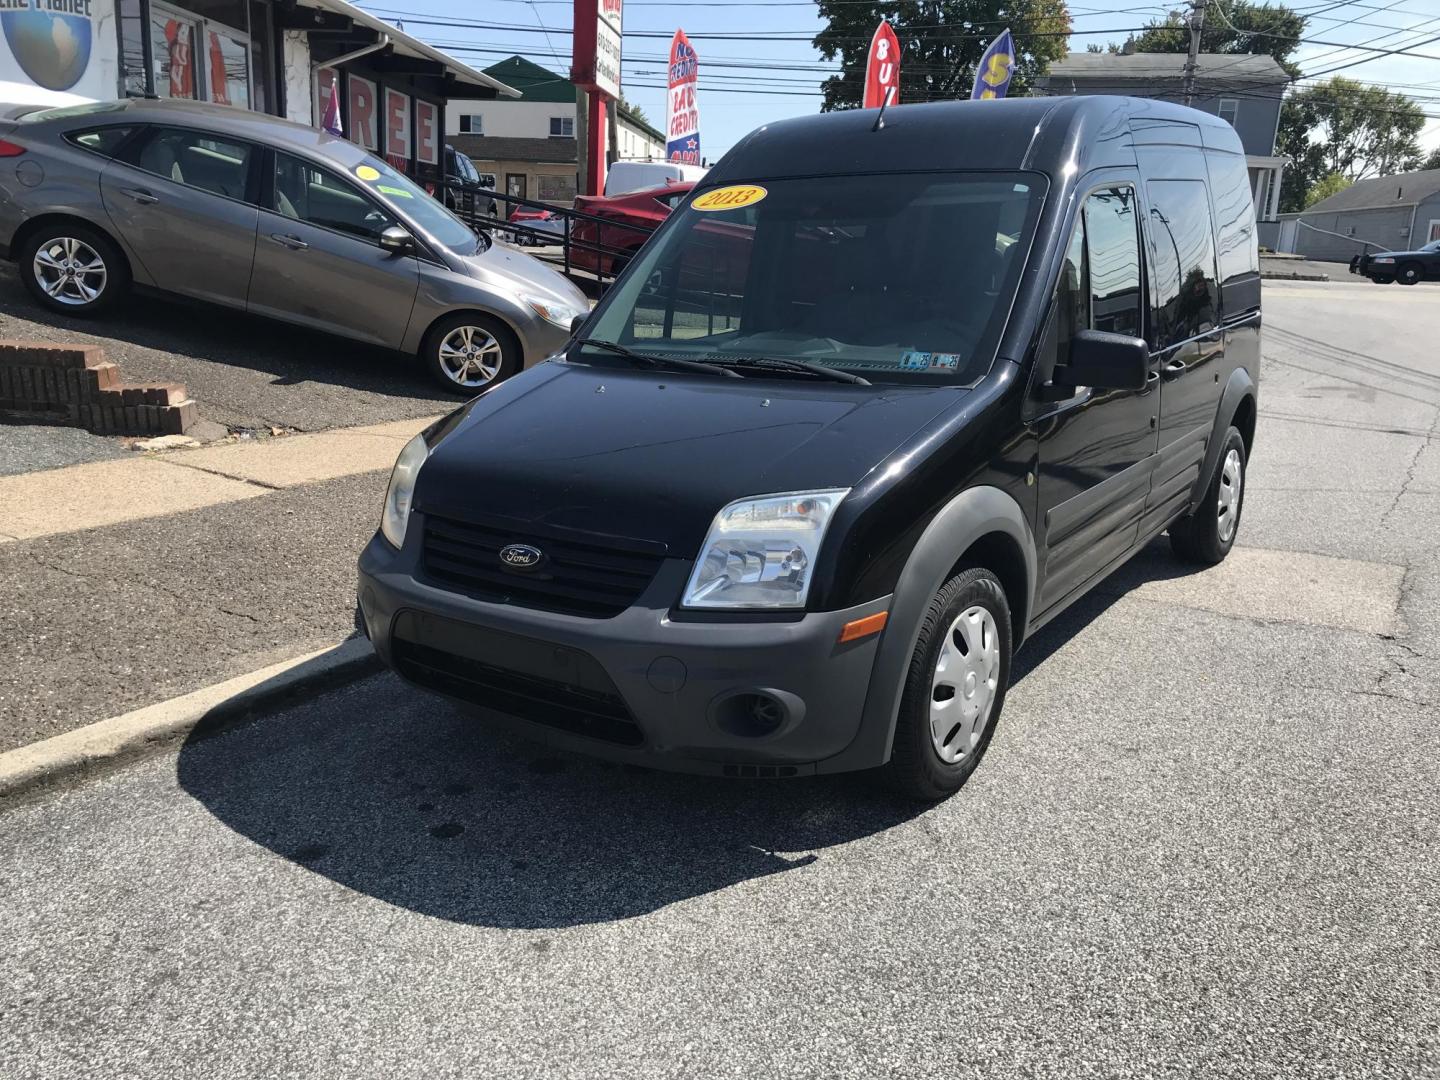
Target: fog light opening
x=751, y=716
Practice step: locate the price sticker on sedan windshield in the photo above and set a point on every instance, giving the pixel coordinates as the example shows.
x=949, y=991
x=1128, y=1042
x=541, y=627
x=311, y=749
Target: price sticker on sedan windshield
x=730, y=198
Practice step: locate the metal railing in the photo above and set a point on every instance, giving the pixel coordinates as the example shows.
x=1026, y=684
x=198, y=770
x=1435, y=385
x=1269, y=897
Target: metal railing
x=584, y=253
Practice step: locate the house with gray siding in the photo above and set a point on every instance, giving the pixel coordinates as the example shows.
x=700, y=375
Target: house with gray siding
x=1386, y=213
x=1242, y=89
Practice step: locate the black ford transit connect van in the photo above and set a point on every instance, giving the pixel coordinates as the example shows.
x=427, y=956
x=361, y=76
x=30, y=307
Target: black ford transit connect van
x=875, y=404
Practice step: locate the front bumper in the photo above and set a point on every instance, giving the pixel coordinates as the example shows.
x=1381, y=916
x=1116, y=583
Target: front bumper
x=646, y=686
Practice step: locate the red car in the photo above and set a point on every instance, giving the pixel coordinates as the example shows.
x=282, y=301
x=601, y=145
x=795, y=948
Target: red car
x=646, y=209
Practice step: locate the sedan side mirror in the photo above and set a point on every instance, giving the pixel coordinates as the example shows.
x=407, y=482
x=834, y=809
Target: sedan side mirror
x=576, y=323
x=397, y=240
x=1105, y=361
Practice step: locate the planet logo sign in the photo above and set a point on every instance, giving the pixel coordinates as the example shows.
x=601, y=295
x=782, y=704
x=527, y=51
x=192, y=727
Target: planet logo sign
x=50, y=39
x=682, y=113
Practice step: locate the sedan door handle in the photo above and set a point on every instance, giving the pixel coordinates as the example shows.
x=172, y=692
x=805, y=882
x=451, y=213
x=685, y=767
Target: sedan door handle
x=140, y=195
x=294, y=243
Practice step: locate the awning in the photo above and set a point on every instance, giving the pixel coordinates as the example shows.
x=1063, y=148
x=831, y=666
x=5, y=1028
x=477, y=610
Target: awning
x=405, y=45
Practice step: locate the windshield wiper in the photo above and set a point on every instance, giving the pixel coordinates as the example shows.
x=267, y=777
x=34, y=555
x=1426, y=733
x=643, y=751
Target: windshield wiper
x=778, y=363
x=654, y=360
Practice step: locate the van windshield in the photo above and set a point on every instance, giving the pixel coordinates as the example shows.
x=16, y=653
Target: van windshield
x=895, y=277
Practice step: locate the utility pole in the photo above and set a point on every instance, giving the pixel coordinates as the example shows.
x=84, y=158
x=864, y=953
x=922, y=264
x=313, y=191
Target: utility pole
x=1197, y=26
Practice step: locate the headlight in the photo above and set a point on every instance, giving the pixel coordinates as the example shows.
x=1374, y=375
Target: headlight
x=760, y=553
x=555, y=311
x=1382, y=260
x=401, y=491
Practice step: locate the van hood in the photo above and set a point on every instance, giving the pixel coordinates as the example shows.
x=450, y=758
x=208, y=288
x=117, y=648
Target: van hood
x=653, y=456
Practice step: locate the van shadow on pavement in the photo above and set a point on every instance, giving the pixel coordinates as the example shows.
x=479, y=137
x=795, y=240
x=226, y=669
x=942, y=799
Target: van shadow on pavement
x=415, y=801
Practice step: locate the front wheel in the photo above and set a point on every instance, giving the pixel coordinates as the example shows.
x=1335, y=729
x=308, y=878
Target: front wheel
x=73, y=269
x=1207, y=533
x=468, y=353
x=955, y=688
x=1410, y=274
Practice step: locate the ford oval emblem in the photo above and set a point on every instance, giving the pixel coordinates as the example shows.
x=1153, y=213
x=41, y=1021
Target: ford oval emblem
x=521, y=557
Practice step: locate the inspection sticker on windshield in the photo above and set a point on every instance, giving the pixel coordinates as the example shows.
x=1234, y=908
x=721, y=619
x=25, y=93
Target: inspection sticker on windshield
x=914, y=361
x=730, y=198
x=399, y=193
x=367, y=172
x=944, y=360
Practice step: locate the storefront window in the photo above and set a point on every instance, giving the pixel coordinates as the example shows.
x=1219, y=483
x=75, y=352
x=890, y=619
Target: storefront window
x=172, y=44
x=132, y=47
x=229, y=69
x=556, y=187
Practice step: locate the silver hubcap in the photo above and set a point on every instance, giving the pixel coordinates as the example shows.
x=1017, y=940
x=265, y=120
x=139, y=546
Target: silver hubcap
x=70, y=270
x=470, y=356
x=967, y=675
x=1232, y=479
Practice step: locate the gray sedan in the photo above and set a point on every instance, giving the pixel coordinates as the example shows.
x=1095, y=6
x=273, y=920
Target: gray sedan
x=271, y=217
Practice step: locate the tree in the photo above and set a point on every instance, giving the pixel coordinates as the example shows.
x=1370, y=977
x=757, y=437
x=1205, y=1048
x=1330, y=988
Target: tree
x=1242, y=28
x=1433, y=161
x=941, y=42
x=1330, y=184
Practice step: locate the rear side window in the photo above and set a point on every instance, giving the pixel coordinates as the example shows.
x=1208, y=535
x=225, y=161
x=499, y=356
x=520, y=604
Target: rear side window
x=1238, y=254
x=105, y=140
x=1182, y=251
x=198, y=159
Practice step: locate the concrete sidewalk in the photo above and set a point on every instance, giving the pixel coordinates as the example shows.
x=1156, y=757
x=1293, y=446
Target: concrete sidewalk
x=132, y=581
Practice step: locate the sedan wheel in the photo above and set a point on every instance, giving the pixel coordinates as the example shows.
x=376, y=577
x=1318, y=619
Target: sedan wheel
x=1410, y=274
x=70, y=271
x=470, y=352
x=470, y=357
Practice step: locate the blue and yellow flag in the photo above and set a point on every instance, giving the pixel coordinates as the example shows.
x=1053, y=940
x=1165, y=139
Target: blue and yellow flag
x=992, y=78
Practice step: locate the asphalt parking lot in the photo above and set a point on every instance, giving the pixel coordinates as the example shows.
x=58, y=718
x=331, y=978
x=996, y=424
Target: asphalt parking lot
x=1204, y=843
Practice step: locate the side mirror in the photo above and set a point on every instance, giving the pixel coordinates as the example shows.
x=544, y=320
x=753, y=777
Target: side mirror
x=576, y=323
x=1105, y=361
x=397, y=240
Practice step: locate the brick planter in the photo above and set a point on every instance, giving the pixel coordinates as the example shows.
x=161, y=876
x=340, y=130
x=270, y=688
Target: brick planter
x=76, y=386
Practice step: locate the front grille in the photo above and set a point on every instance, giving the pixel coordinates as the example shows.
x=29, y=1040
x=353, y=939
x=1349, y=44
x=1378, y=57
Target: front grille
x=583, y=574
x=529, y=697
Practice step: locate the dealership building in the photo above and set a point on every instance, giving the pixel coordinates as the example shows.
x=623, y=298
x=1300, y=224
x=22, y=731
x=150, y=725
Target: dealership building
x=283, y=57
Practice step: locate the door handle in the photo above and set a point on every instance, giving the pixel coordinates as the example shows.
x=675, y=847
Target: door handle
x=140, y=195
x=294, y=243
x=1174, y=368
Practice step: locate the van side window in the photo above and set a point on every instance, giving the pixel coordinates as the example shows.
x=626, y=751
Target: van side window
x=1182, y=249
x=1114, y=271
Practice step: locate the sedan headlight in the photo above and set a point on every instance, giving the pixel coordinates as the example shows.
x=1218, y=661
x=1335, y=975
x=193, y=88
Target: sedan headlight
x=401, y=491
x=1382, y=259
x=555, y=311
x=761, y=552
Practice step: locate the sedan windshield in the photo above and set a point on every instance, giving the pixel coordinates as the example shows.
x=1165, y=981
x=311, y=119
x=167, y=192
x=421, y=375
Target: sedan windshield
x=418, y=205
x=898, y=277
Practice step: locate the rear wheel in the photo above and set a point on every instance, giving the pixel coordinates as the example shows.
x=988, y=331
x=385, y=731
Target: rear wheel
x=73, y=269
x=1207, y=534
x=1410, y=274
x=955, y=688
x=467, y=353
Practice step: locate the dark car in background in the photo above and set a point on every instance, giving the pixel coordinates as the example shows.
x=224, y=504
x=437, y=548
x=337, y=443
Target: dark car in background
x=263, y=215
x=466, y=190
x=608, y=249
x=866, y=413
x=1406, y=267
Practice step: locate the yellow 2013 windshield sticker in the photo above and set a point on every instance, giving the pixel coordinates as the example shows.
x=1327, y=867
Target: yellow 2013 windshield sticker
x=367, y=172
x=730, y=198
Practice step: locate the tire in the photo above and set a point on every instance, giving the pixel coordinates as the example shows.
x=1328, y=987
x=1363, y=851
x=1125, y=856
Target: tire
x=1410, y=274
x=494, y=353
x=62, y=263
x=967, y=626
x=1208, y=532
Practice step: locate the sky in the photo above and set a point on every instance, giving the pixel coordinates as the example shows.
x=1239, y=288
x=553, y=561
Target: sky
x=780, y=78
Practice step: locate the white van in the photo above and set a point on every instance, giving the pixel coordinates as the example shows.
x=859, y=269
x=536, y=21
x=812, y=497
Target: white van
x=626, y=176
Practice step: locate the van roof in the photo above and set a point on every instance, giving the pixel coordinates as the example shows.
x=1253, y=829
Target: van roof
x=1012, y=134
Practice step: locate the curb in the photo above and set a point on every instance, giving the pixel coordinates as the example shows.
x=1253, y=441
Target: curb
x=1291, y=275
x=100, y=747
